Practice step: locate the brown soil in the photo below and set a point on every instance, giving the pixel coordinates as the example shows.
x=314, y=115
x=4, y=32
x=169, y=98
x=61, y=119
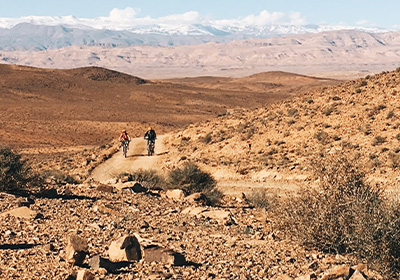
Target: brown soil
x=89, y=106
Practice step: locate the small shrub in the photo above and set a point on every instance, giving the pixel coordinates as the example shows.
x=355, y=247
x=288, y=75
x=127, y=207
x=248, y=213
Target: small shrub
x=191, y=179
x=258, y=199
x=344, y=214
x=358, y=90
x=59, y=177
x=15, y=173
x=363, y=84
x=150, y=179
x=206, y=139
x=378, y=140
x=322, y=137
x=293, y=112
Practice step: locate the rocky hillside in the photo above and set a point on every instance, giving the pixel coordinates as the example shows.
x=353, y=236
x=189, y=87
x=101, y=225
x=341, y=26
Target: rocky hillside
x=360, y=118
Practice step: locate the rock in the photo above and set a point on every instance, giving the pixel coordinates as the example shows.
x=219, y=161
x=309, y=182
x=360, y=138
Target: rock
x=97, y=262
x=336, y=272
x=196, y=197
x=138, y=188
x=104, y=209
x=165, y=256
x=20, y=212
x=193, y=211
x=84, y=274
x=77, y=249
x=25, y=201
x=126, y=248
x=48, y=193
x=105, y=188
x=358, y=275
x=124, y=179
x=220, y=215
x=176, y=194
x=304, y=277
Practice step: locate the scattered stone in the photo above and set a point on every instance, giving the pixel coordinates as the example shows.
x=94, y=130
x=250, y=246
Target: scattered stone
x=176, y=194
x=220, y=215
x=336, y=272
x=196, y=198
x=104, y=209
x=20, y=212
x=138, y=188
x=25, y=201
x=77, y=249
x=358, y=275
x=193, y=211
x=126, y=248
x=49, y=193
x=105, y=188
x=84, y=274
x=165, y=256
x=97, y=262
x=124, y=179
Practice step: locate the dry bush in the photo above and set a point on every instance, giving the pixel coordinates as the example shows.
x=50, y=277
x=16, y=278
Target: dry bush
x=150, y=179
x=378, y=140
x=16, y=175
x=206, y=139
x=191, y=179
x=258, y=199
x=344, y=214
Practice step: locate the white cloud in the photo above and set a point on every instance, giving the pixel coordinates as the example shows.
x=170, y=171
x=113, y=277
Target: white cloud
x=267, y=18
x=128, y=18
x=127, y=15
x=366, y=22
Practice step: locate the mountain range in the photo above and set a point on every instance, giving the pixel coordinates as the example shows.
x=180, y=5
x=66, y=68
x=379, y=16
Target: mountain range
x=28, y=36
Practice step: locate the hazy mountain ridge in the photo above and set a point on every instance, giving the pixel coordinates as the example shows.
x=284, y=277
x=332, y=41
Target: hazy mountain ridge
x=28, y=36
x=327, y=54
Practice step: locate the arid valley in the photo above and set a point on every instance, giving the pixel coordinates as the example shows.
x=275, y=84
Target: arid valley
x=239, y=157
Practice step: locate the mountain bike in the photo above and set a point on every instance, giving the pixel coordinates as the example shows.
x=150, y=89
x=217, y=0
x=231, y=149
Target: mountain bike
x=150, y=147
x=124, y=145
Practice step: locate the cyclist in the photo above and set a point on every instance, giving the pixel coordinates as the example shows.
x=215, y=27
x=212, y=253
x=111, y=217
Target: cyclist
x=124, y=138
x=151, y=137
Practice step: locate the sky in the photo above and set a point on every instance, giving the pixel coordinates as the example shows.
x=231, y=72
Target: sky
x=366, y=13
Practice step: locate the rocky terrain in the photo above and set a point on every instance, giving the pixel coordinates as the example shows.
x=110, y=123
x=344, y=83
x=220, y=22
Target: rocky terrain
x=359, y=118
x=78, y=228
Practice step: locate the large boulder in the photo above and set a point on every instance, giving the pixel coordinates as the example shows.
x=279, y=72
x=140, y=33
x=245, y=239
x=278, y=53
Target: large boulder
x=125, y=248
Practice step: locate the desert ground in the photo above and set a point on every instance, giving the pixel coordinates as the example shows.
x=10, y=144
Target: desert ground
x=250, y=133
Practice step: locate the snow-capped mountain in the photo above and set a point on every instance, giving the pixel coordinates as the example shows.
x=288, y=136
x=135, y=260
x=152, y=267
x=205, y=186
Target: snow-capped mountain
x=42, y=33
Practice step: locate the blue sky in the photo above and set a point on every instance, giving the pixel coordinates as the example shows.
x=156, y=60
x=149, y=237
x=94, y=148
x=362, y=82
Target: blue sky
x=369, y=13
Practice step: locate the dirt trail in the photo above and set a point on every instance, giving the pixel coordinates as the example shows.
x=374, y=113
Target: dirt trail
x=137, y=159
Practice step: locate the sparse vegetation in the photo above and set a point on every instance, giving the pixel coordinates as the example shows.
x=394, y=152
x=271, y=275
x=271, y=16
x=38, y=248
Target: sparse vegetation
x=258, y=199
x=344, y=215
x=206, y=139
x=378, y=140
x=15, y=173
x=58, y=177
x=191, y=179
x=150, y=179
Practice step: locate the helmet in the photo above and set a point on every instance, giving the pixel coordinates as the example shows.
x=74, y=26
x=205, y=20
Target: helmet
x=149, y=128
x=123, y=131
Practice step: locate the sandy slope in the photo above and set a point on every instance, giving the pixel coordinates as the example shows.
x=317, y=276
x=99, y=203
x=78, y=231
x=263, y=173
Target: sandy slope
x=137, y=159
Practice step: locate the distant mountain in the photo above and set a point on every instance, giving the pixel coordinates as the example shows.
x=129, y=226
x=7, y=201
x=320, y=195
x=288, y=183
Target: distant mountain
x=28, y=36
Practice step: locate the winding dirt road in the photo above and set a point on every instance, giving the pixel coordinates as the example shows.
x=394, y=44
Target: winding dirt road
x=137, y=159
